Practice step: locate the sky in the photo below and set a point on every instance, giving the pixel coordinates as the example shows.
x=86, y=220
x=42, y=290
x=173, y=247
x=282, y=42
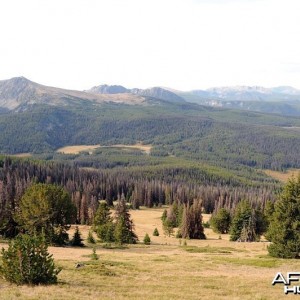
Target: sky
x=181, y=44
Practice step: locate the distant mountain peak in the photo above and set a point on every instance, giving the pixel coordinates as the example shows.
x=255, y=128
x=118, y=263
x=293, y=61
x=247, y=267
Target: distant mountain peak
x=21, y=80
x=108, y=89
x=159, y=93
x=154, y=92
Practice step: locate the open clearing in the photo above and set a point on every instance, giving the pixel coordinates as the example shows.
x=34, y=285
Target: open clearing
x=77, y=149
x=89, y=148
x=204, y=269
x=22, y=155
x=283, y=176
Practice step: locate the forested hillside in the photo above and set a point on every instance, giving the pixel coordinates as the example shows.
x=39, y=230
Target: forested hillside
x=234, y=145
x=151, y=186
x=220, y=137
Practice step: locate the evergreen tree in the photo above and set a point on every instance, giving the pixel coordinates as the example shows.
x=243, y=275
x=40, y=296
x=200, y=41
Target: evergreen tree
x=94, y=255
x=147, y=240
x=284, y=228
x=103, y=223
x=124, y=228
x=47, y=208
x=241, y=217
x=27, y=261
x=220, y=221
x=191, y=226
x=247, y=223
x=155, y=232
x=168, y=227
x=77, y=240
x=268, y=212
x=90, y=238
x=164, y=215
x=185, y=225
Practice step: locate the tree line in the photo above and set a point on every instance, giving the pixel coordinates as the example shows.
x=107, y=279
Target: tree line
x=88, y=187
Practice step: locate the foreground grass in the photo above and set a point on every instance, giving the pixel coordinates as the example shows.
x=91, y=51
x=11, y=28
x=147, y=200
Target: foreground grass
x=207, y=269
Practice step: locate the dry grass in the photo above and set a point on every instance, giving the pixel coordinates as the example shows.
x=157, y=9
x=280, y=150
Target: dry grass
x=89, y=148
x=77, y=149
x=283, y=176
x=138, y=146
x=22, y=155
x=207, y=269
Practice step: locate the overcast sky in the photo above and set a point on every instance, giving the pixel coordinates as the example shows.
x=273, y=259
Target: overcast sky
x=183, y=44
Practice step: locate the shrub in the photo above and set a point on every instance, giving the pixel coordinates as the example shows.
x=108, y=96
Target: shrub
x=27, y=261
x=147, y=239
x=94, y=255
x=90, y=238
x=155, y=232
x=206, y=224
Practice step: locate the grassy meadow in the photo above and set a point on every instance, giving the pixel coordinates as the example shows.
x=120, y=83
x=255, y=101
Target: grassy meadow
x=283, y=176
x=167, y=269
x=89, y=148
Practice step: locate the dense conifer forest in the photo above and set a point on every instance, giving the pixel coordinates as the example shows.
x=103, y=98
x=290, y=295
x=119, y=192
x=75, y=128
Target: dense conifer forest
x=148, y=187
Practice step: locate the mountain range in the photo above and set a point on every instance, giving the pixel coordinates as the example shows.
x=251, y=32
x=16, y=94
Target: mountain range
x=19, y=93
x=39, y=119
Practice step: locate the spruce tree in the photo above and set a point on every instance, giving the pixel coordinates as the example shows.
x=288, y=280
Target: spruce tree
x=77, y=240
x=103, y=223
x=164, y=215
x=168, y=227
x=284, y=228
x=27, y=261
x=191, y=225
x=147, y=240
x=247, y=224
x=47, y=208
x=124, y=228
x=155, y=232
x=220, y=221
x=90, y=238
x=240, y=219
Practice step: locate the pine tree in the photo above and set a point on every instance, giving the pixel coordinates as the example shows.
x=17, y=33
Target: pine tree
x=164, y=215
x=197, y=230
x=27, y=261
x=268, y=212
x=284, y=228
x=103, y=223
x=94, y=255
x=191, y=225
x=220, y=221
x=90, y=238
x=76, y=241
x=124, y=228
x=241, y=217
x=168, y=227
x=247, y=224
x=47, y=208
x=147, y=240
x=155, y=232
